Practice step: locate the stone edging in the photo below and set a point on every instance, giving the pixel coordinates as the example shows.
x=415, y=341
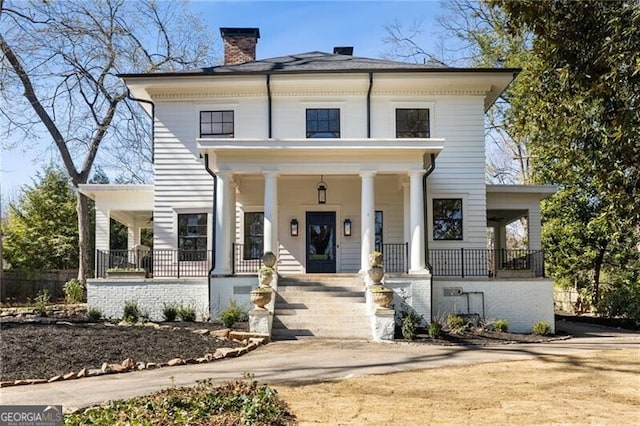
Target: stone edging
x=251, y=341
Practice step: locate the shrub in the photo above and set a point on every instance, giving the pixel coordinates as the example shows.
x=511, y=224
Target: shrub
x=94, y=314
x=435, y=330
x=501, y=324
x=455, y=323
x=170, y=312
x=542, y=328
x=131, y=312
x=73, y=291
x=187, y=313
x=41, y=301
x=234, y=313
x=409, y=325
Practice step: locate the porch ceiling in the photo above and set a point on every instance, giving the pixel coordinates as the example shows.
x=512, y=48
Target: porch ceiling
x=504, y=216
x=304, y=156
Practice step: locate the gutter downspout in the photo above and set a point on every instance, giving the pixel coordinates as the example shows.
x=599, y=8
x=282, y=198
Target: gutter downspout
x=427, y=264
x=269, y=104
x=369, y=105
x=153, y=119
x=213, y=228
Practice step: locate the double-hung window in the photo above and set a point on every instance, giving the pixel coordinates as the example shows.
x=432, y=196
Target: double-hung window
x=447, y=219
x=192, y=236
x=412, y=123
x=216, y=124
x=253, y=235
x=323, y=123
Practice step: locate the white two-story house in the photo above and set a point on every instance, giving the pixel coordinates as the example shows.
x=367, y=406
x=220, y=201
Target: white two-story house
x=322, y=158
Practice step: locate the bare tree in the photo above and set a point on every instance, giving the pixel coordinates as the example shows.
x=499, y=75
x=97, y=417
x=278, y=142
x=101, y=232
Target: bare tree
x=58, y=76
x=474, y=34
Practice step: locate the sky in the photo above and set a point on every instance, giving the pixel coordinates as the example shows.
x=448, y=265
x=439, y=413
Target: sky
x=285, y=27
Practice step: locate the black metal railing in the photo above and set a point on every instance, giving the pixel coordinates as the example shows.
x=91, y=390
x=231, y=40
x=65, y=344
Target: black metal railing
x=485, y=262
x=394, y=256
x=156, y=263
x=244, y=263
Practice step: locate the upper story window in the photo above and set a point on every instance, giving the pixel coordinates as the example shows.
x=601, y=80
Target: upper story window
x=216, y=124
x=447, y=218
x=412, y=123
x=323, y=123
x=192, y=236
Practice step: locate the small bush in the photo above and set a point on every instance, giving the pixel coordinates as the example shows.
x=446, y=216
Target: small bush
x=409, y=325
x=131, y=312
x=542, y=328
x=455, y=323
x=435, y=330
x=170, y=312
x=41, y=301
x=233, y=314
x=73, y=291
x=187, y=313
x=94, y=314
x=501, y=325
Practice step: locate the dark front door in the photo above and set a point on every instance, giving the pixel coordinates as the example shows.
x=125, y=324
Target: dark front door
x=321, y=242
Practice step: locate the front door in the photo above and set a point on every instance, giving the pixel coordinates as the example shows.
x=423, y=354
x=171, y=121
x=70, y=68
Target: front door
x=321, y=242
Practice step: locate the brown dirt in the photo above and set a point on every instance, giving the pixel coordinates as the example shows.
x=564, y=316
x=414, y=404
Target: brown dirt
x=41, y=351
x=601, y=388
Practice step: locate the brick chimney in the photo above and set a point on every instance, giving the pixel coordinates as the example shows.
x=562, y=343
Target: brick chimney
x=239, y=44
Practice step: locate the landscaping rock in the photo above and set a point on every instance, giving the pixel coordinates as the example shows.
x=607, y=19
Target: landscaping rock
x=141, y=366
x=223, y=334
x=129, y=364
x=82, y=373
x=54, y=379
x=175, y=361
x=117, y=368
x=152, y=365
x=201, y=331
x=105, y=368
x=94, y=372
x=69, y=376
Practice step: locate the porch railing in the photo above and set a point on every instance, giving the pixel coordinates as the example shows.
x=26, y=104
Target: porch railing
x=486, y=262
x=156, y=263
x=244, y=263
x=394, y=256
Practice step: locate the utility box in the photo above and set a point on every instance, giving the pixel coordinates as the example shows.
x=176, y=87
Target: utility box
x=452, y=291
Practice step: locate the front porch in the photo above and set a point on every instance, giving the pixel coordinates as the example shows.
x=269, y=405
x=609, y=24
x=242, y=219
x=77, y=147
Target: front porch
x=451, y=263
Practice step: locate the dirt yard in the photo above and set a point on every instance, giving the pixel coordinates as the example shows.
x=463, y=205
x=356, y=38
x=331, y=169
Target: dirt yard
x=603, y=388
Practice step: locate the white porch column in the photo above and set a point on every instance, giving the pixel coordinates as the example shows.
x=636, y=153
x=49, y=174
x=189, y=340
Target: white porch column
x=406, y=230
x=223, y=225
x=133, y=236
x=416, y=222
x=534, y=231
x=367, y=219
x=103, y=223
x=271, y=212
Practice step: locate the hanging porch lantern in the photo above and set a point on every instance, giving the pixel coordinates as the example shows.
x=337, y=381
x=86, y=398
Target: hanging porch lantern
x=322, y=191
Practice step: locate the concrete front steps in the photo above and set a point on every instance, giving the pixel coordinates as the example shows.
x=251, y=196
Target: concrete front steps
x=320, y=305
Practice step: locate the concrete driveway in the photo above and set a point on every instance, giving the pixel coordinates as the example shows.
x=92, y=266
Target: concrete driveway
x=314, y=360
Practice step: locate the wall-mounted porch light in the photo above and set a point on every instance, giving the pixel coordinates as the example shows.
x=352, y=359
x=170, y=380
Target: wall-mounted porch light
x=347, y=227
x=294, y=227
x=322, y=191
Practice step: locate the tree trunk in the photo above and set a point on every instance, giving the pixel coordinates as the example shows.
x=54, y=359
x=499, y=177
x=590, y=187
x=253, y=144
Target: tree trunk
x=595, y=296
x=82, y=207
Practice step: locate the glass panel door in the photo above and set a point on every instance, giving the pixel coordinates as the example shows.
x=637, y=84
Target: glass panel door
x=321, y=242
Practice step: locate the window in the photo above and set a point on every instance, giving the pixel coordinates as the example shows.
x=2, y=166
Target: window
x=217, y=124
x=447, y=219
x=378, y=226
x=253, y=235
x=323, y=123
x=412, y=123
x=192, y=236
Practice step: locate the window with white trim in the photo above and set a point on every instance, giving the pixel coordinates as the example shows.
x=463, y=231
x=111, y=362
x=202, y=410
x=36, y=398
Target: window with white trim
x=447, y=219
x=216, y=124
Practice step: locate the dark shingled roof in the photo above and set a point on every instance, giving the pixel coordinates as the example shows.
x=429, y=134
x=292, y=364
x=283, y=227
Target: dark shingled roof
x=318, y=61
x=309, y=62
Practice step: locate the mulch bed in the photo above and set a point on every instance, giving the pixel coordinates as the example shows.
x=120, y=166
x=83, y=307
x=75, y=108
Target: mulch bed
x=480, y=337
x=41, y=351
